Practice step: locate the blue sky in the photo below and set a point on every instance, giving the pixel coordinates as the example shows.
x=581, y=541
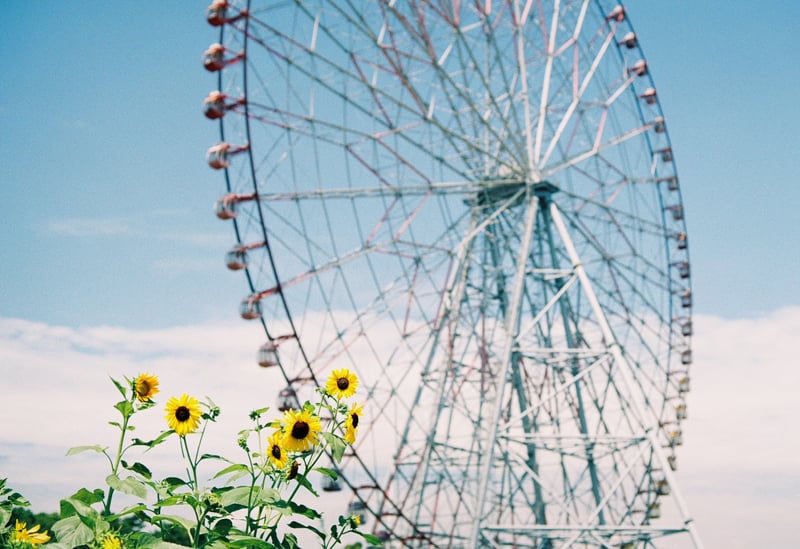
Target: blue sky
x=108, y=218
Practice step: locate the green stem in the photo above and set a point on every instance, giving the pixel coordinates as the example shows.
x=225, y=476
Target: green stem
x=115, y=467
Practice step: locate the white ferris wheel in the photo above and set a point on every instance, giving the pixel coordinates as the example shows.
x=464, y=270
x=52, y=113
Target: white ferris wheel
x=474, y=206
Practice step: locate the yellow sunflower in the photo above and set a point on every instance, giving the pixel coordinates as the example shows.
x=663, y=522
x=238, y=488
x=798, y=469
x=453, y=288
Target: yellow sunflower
x=111, y=541
x=351, y=425
x=342, y=383
x=146, y=386
x=31, y=536
x=300, y=430
x=277, y=455
x=183, y=414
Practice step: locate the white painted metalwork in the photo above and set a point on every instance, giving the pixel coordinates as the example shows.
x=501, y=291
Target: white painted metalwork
x=474, y=207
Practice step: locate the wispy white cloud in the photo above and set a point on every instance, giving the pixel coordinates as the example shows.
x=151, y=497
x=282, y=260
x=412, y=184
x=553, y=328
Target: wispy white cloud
x=141, y=225
x=82, y=227
x=737, y=468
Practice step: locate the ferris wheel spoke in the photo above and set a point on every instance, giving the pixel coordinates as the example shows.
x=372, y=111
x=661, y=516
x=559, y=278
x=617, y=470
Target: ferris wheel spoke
x=579, y=93
x=595, y=150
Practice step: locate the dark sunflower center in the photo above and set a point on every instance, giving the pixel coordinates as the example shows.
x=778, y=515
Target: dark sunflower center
x=144, y=387
x=300, y=430
x=354, y=420
x=182, y=413
x=343, y=383
x=276, y=451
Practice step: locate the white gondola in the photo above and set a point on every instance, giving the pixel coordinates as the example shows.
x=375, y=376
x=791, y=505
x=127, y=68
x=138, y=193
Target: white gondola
x=287, y=399
x=250, y=307
x=639, y=68
x=616, y=14
x=268, y=355
x=649, y=96
x=629, y=40
x=236, y=258
x=225, y=207
x=680, y=411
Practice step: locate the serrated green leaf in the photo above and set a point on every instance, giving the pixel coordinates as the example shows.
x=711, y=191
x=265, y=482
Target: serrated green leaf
x=78, y=449
x=72, y=532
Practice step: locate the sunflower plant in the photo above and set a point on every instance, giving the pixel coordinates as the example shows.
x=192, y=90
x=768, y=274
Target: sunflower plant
x=245, y=503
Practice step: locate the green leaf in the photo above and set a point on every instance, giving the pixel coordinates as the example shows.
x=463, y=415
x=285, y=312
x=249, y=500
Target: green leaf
x=72, y=532
x=222, y=527
x=336, y=444
x=297, y=525
x=328, y=472
x=210, y=456
x=127, y=486
x=303, y=481
x=5, y=516
x=152, y=443
x=125, y=407
x=122, y=390
x=237, y=470
x=241, y=495
x=127, y=511
x=74, y=506
x=183, y=522
x=78, y=449
x=369, y=538
x=174, y=481
x=248, y=541
x=139, y=468
x=297, y=508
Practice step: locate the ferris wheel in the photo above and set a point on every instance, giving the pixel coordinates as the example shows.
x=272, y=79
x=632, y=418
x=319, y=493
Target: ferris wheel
x=474, y=206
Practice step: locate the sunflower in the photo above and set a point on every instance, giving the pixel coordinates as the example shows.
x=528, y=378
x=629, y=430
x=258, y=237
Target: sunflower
x=300, y=430
x=342, y=383
x=111, y=541
x=277, y=455
x=146, y=386
x=183, y=414
x=31, y=536
x=351, y=425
